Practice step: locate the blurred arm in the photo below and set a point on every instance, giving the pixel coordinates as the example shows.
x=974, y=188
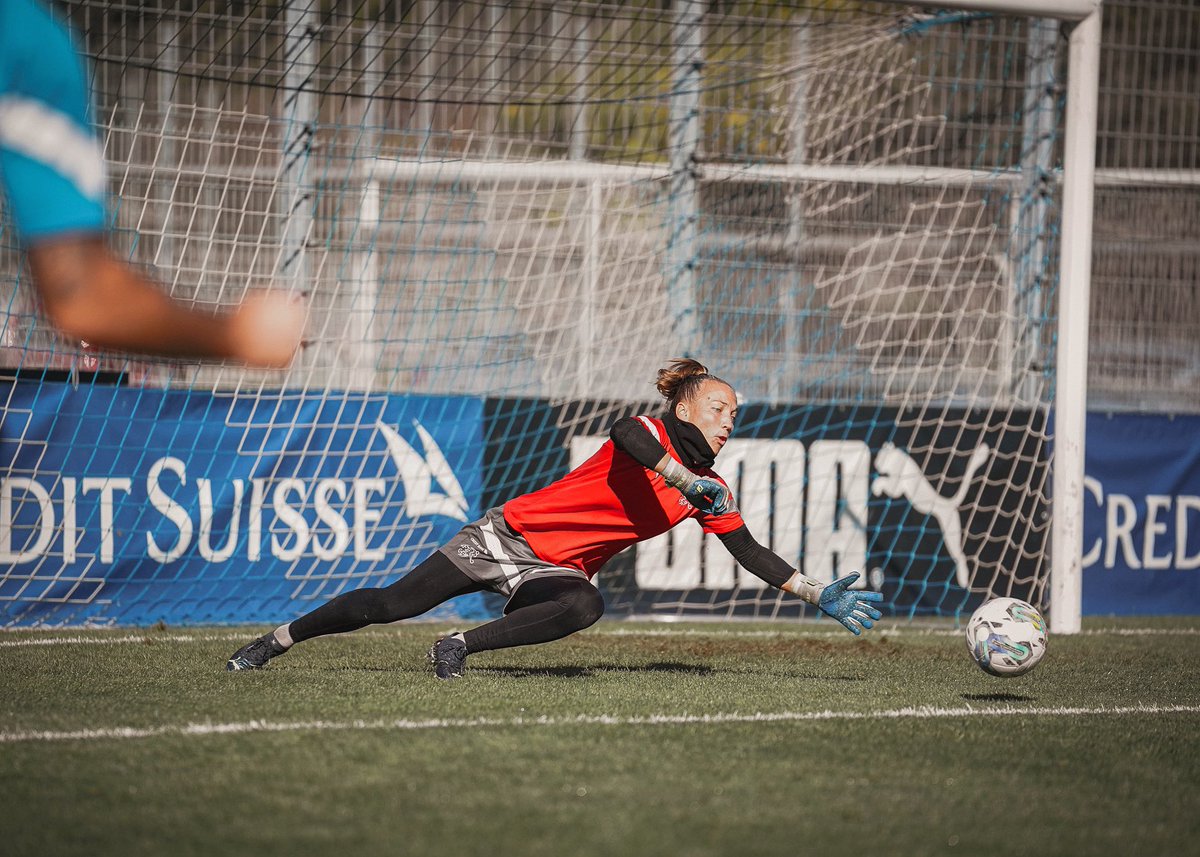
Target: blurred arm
x=91, y=295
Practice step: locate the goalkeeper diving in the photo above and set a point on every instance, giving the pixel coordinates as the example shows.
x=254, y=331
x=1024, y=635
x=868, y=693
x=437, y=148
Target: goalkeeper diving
x=541, y=550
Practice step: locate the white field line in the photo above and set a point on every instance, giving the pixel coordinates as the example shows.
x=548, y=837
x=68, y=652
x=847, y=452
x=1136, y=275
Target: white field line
x=890, y=631
x=156, y=637
x=261, y=726
x=101, y=641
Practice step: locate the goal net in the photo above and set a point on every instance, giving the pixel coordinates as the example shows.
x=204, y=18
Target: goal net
x=505, y=218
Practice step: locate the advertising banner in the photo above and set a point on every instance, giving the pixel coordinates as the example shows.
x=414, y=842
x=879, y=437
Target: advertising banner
x=137, y=506
x=1141, y=523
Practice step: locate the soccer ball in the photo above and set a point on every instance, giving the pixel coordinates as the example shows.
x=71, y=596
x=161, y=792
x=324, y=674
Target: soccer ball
x=1006, y=637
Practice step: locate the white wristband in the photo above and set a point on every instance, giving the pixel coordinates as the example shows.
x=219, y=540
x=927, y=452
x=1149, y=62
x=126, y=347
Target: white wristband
x=807, y=588
x=678, y=476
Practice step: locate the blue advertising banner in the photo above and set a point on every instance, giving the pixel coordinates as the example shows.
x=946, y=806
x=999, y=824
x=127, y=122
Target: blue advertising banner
x=135, y=506
x=1141, y=533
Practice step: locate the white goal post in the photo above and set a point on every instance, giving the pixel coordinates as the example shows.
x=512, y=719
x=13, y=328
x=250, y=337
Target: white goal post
x=1070, y=404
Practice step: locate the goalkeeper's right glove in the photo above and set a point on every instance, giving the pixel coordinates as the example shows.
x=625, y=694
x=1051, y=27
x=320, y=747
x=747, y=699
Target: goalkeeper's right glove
x=707, y=495
x=850, y=607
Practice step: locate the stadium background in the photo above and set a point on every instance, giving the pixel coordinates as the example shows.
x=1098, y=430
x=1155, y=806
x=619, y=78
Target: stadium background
x=216, y=138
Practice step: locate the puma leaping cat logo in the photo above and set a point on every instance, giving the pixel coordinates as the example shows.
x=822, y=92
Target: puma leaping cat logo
x=900, y=476
x=418, y=473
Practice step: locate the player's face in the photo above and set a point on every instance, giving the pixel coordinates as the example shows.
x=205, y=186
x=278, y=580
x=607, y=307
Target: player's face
x=712, y=410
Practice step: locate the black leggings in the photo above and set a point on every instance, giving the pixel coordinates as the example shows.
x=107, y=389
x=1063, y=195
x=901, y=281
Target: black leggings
x=541, y=610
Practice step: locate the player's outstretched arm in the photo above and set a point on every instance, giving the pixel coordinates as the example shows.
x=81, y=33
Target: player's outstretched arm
x=90, y=294
x=853, y=608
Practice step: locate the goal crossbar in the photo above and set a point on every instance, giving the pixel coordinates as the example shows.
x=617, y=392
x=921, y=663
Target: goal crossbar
x=509, y=173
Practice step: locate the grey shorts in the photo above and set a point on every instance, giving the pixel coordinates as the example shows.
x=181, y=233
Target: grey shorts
x=491, y=552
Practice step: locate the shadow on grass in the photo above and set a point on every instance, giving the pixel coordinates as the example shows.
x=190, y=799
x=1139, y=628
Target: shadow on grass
x=997, y=697
x=588, y=671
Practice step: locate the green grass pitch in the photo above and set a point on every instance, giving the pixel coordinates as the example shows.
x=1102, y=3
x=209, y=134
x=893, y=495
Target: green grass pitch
x=628, y=739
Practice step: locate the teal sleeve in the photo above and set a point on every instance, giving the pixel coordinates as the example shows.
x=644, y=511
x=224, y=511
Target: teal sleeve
x=51, y=164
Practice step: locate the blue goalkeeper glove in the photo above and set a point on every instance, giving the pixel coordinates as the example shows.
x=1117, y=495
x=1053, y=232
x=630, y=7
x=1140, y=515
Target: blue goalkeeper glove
x=850, y=607
x=707, y=495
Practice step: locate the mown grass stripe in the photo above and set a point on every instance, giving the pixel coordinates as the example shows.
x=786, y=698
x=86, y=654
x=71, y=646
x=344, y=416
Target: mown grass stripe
x=262, y=726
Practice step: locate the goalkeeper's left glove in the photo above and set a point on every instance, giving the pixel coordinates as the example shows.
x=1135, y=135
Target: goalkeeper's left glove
x=850, y=607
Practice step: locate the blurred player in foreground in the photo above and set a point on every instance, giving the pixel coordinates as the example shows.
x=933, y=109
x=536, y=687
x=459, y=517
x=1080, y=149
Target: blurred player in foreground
x=542, y=549
x=52, y=170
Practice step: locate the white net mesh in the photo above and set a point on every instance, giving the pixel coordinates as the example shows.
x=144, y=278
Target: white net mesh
x=505, y=218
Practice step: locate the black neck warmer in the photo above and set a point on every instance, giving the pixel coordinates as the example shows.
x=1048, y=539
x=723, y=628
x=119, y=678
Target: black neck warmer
x=689, y=442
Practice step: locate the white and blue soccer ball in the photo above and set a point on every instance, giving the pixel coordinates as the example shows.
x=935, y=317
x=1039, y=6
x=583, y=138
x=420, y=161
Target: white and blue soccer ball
x=1006, y=637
